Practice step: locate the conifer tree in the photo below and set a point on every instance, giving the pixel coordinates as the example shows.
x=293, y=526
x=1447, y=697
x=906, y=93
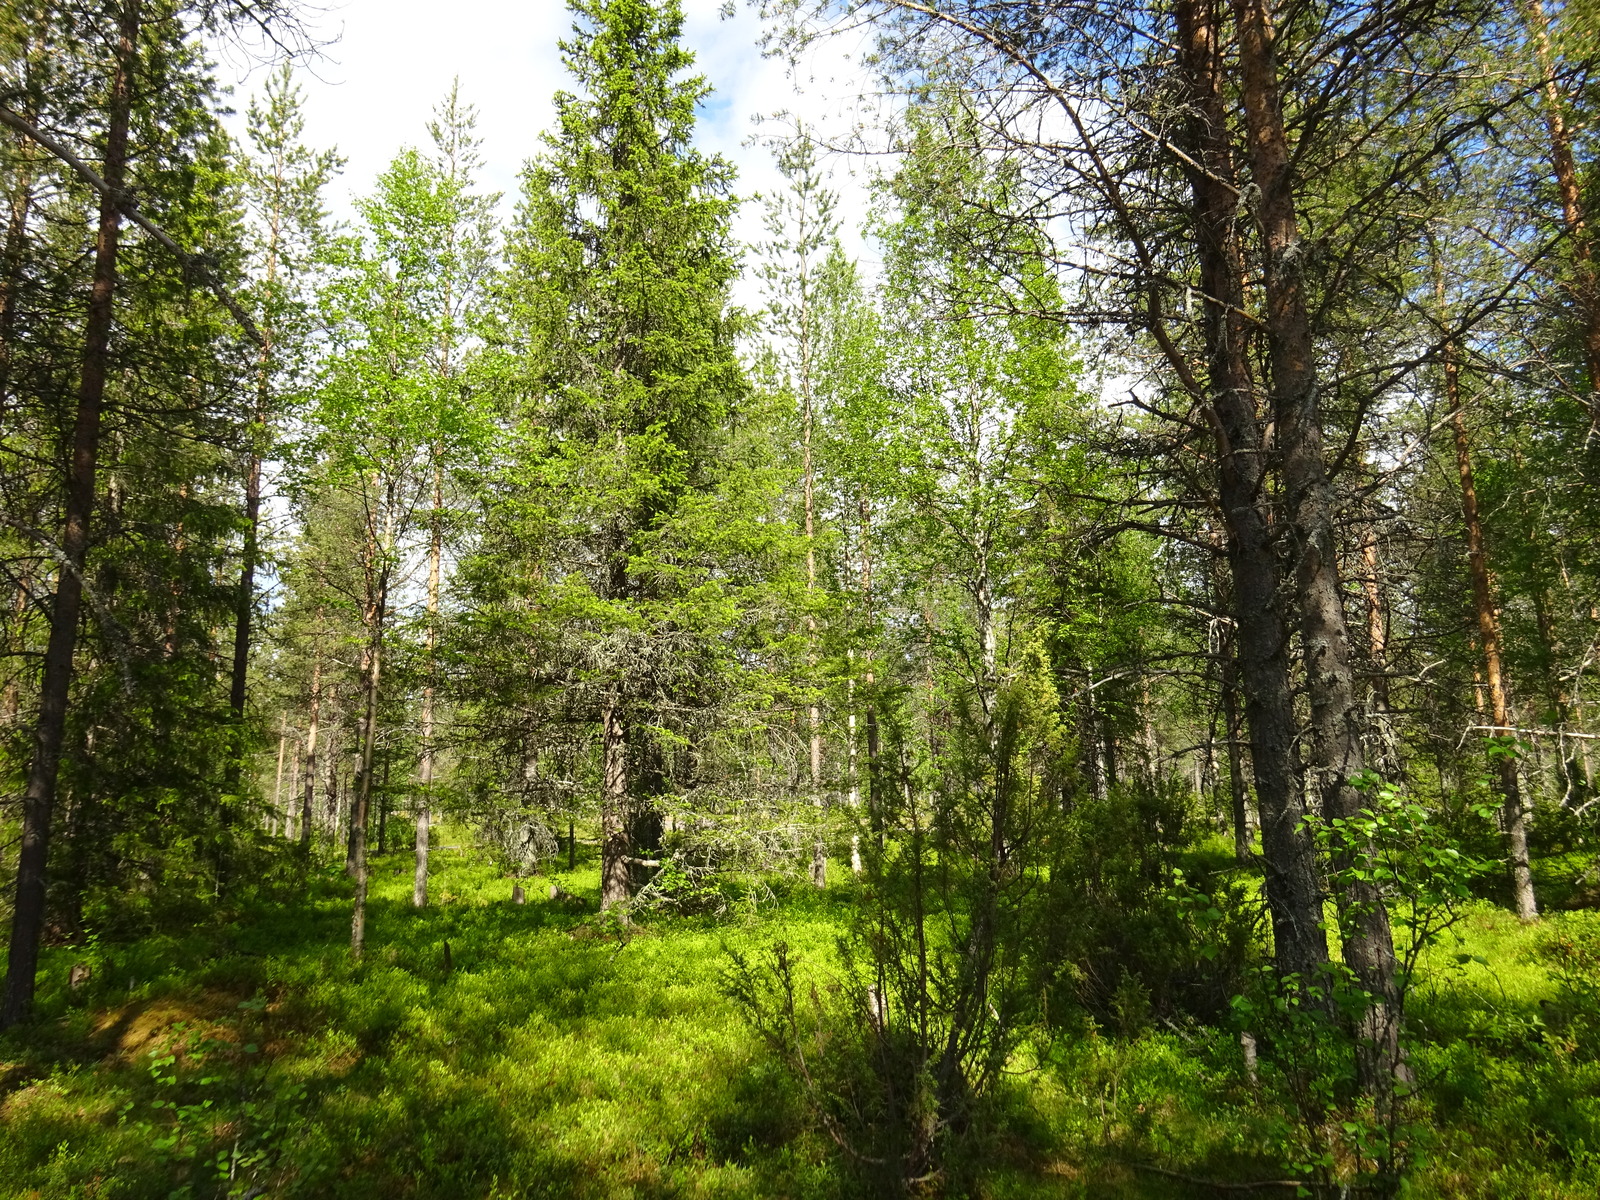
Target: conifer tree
x=282, y=181
x=618, y=295
x=136, y=90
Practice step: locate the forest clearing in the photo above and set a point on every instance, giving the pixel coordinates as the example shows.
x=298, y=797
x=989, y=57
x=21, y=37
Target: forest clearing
x=1050, y=652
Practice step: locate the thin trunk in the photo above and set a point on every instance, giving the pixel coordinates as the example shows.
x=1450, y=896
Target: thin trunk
x=1151, y=746
x=819, y=853
x=383, y=811
x=334, y=811
x=347, y=814
x=294, y=792
x=419, y=882
x=1294, y=898
x=55, y=685
x=362, y=800
x=1382, y=715
x=1489, y=639
x=244, y=605
x=851, y=778
x=11, y=696
x=1094, y=759
x=380, y=547
x=1242, y=849
x=1338, y=753
x=277, y=785
x=874, y=783
x=244, y=611
x=987, y=646
x=615, y=846
x=308, y=804
x=1561, y=713
x=855, y=781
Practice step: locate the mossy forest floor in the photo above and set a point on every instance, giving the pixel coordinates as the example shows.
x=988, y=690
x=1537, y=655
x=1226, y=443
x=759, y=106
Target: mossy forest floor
x=250, y=1057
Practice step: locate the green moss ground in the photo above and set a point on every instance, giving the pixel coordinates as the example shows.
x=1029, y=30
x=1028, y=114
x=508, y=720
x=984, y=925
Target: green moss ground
x=555, y=1059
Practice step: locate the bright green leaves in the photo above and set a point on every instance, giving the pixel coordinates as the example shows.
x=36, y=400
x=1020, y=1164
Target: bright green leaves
x=1401, y=846
x=399, y=311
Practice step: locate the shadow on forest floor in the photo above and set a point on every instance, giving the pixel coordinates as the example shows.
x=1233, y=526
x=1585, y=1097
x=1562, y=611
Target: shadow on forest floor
x=550, y=1056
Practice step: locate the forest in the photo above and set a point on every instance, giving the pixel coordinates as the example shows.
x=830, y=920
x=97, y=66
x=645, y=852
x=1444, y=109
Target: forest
x=1085, y=688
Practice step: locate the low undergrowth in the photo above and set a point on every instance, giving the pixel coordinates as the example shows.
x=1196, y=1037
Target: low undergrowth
x=488, y=1049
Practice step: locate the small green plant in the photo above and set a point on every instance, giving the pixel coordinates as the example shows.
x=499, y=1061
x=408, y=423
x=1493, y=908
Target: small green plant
x=1574, y=1016
x=212, y=1119
x=1332, y=1132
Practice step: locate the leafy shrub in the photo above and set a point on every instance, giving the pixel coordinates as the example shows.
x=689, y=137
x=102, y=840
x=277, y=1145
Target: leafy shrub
x=1143, y=926
x=1573, y=951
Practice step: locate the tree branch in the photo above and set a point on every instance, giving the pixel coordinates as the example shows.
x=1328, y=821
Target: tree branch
x=195, y=266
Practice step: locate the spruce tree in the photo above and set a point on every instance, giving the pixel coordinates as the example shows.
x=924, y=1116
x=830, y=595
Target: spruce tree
x=617, y=299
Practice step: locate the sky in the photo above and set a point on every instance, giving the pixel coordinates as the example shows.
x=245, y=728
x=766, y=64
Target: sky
x=391, y=61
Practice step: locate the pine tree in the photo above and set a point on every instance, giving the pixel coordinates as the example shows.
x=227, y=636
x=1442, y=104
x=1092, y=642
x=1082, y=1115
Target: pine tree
x=152, y=351
x=282, y=181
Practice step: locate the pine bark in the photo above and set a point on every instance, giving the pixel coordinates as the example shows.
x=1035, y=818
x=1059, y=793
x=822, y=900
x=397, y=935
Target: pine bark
x=1489, y=640
x=1337, y=749
x=1294, y=898
x=1586, y=289
x=38, y=802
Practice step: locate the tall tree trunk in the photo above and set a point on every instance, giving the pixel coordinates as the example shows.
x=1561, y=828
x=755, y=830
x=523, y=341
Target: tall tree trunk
x=616, y=848
x=291, y=803
x=1092, y=736
x=1294, y=896
x=874, y=781
x=277, y=784
x=819, y=851
x=38, y=801
x=419, y=881
x=1586, y=289
x=333, y=807
x=308, y=803
x=383, y=810
x=1338, y=753
x=362, y=800
x=244, y=609
x=244, y=602
x=1489, y=639
x=988, y=644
